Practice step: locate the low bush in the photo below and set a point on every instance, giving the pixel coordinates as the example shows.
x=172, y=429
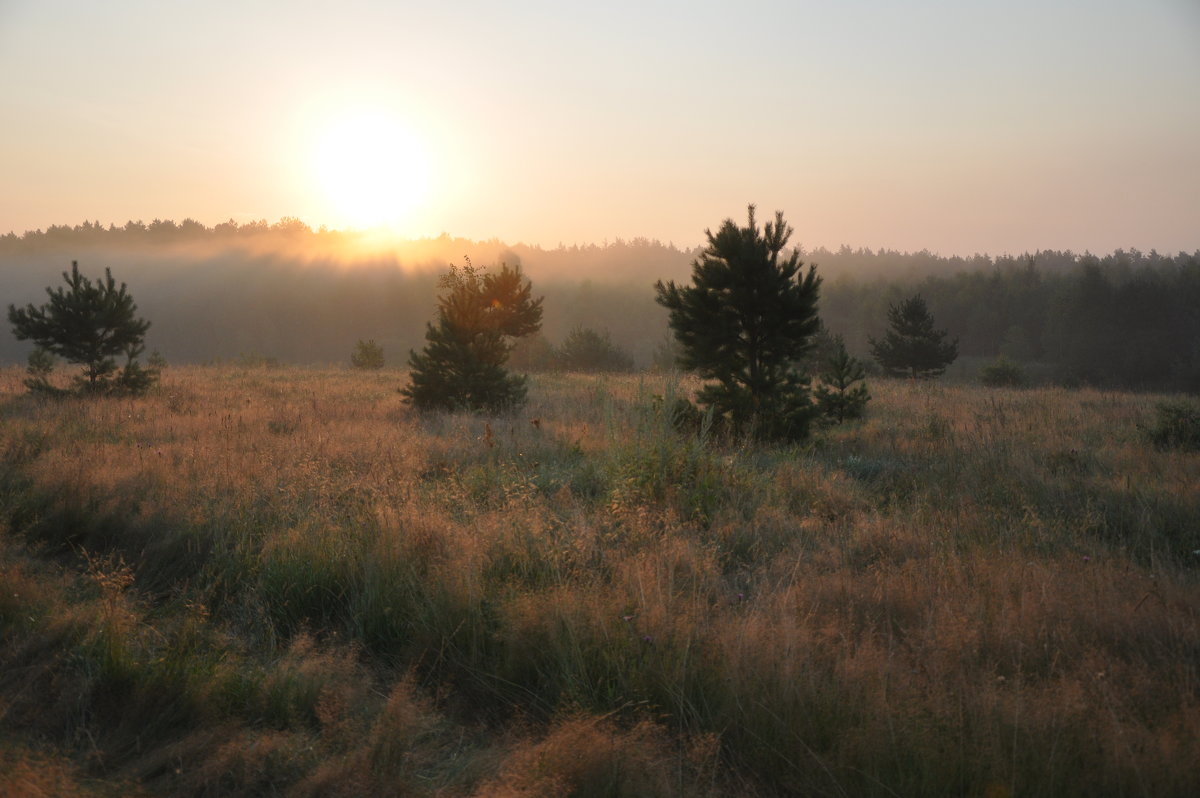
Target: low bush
x=1003, y=373
x=1176, y=425
x=367, y=355
x=585, y=349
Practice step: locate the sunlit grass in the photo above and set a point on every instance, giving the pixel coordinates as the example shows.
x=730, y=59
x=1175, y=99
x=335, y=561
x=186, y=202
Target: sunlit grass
x=296, y=582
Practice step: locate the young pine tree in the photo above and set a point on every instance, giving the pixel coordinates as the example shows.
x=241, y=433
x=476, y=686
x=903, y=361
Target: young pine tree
x=367, y=355
x=824, y=346
x=838, y=396
x=90, y=324
x=40, y=367
x=912, y=347
x=462, y=365
x=585, y=349
x=747, y=319
x=1003, y=373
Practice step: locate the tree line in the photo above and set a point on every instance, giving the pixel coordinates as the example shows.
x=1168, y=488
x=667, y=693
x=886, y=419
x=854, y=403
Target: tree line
x=620, y=260
x=1126, y=319
x=748, y=322
x=745, y=323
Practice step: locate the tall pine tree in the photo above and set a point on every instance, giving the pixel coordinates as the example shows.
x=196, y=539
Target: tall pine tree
x=462, y=365
x=747, y=319
x=913, y=347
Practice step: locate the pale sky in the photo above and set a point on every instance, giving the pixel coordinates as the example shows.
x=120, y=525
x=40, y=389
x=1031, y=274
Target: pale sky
x=960, y=126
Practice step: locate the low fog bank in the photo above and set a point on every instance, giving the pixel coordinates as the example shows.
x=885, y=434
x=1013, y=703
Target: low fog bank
x=212, y=305
x=287, y=293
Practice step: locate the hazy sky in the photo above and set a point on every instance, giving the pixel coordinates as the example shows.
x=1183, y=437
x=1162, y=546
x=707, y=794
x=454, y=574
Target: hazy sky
x=960, y=126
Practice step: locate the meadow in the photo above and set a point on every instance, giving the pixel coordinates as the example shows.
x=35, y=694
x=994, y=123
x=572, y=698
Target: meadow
x=259, y=581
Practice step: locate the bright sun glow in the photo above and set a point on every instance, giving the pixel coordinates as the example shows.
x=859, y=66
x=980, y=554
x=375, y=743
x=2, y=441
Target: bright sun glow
x=372, y=169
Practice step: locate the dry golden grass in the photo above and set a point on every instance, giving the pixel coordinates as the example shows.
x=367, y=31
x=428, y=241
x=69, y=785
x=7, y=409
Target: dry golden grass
x=974, y=591
x=30, y=773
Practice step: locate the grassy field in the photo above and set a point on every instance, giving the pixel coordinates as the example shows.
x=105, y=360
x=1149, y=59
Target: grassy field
x=282, y=581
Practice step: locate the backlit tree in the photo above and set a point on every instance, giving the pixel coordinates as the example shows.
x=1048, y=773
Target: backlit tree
x=462, y=365
x=745, y=322
x=91, y=324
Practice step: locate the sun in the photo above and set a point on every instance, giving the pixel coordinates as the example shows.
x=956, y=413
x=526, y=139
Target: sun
x=372, y=169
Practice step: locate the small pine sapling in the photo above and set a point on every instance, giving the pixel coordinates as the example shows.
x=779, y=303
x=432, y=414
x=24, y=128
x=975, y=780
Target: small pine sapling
x=1003, y=373
x=585, y=349
x=838, y=397
x=40, y=365
x=91, y=324
x=134, y=378
x=367, y=355
x=1176, y=425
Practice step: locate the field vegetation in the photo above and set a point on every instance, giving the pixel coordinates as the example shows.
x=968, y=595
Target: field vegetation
x=260, y=580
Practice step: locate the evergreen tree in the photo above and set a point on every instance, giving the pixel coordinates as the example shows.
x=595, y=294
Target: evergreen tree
x=40, y=366
x=838, y=397
x=747, y=319
x=912, y=347
x=91, y=324
x=1084, y=338
x=367, y=355
x=825, y=346
x=1003, y=373
x=462, y=365
x=584, y=349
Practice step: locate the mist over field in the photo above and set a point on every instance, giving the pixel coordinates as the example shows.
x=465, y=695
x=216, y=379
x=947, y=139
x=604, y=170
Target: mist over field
x=305, y=297
x=285, y=293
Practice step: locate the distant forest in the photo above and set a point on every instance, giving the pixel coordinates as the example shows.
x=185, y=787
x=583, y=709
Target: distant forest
x=259, y=292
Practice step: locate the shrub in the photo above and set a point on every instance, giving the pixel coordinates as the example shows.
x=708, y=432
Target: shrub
x=367, y=355
x=685, y=416
x=1003, y=373
x=585, y=349
x=1176, y=425
x=40, y=365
